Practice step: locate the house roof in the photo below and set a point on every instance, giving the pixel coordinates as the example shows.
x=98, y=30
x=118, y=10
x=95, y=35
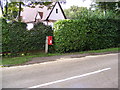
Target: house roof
x=29, y=14
x=53, y=9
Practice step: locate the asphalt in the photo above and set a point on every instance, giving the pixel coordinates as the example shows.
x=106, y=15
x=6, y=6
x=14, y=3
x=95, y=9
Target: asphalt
x=33, y=75
x=56, y=57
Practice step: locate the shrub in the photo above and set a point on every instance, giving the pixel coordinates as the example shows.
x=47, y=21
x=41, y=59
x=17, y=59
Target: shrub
x=70, y=35
x=85, y=34
x=102, y=33
x=15, y=37
x=38, y=36
x=5, y=36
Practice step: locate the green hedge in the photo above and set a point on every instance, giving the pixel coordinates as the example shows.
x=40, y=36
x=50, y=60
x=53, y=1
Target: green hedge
x=15, y=37
x=70, y=35
x=85, y=34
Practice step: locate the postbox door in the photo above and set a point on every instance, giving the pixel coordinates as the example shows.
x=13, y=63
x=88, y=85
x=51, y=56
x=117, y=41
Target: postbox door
x=50, y=40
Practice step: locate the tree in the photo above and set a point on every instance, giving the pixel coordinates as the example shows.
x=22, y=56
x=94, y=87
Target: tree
x=19, y=12
x=12, y=10
x=9, y=10
x=75, y=12
x=3, y=7
x=107, y=6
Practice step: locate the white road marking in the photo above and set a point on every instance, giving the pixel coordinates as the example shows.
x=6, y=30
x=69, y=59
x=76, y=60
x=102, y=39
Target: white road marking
x=70, y=78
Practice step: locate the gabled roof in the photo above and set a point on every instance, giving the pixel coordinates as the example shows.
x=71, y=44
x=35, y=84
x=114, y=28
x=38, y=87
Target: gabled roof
x=29, y=14
x=53, y=9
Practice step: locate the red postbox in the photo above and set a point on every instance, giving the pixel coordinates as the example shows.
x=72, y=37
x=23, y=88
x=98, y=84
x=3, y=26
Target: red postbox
x=50, y=40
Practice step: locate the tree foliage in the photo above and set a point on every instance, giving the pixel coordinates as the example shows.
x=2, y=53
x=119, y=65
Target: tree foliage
x=107, y=6
x=75, y=12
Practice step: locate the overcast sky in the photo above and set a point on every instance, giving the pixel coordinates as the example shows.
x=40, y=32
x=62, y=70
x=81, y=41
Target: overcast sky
x=79, y=3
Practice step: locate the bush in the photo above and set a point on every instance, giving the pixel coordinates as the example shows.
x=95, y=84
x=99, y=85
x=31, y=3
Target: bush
x=70, y=35
x=102, y=33
x=5, y=36
x=38, y=35
x=16, y=38
x=85, y=34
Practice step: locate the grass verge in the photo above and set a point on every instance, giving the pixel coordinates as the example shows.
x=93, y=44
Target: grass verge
x=102, y=50
x=10, y=61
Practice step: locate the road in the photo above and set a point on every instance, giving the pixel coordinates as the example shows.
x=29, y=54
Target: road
x=99, y=71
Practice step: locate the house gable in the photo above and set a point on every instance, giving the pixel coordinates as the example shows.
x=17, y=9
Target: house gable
x=56, y=13
x=43, y=14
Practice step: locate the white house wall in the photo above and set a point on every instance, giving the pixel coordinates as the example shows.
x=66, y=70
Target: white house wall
x=48, y=23
x=56, y=16
x=30, y=26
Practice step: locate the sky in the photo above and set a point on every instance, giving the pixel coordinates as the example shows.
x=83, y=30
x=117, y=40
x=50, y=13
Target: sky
x=69, y=3
x=0, y=12
x=79, y=3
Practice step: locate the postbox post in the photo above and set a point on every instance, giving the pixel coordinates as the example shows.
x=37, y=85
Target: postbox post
x=46, y=45
x=48, y=42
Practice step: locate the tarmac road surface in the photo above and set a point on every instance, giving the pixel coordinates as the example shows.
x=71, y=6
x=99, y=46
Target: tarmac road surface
x=98, y=71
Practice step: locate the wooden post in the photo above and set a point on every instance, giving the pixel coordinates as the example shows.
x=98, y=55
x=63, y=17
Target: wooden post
x=46, y=45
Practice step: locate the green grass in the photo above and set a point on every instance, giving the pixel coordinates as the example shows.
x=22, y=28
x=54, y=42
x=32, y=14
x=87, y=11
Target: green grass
x=9, y=61
x=102, y=50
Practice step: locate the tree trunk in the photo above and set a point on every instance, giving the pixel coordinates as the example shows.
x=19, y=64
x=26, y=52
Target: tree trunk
x=19, y=12
x=1, y=8
x=6, y=9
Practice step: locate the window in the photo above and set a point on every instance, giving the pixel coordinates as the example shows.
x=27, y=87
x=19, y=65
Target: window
x=56, y=10
x=41, y=14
